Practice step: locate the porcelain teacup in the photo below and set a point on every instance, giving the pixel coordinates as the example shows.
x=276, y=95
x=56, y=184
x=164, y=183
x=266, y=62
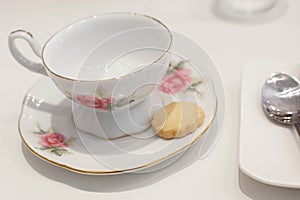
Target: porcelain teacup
x=103, y=62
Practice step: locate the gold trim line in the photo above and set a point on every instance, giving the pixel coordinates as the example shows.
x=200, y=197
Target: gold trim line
x=20, y=30
x=110, y=13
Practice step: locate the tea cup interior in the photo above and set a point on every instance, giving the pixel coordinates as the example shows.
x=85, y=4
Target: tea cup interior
x=106, y=46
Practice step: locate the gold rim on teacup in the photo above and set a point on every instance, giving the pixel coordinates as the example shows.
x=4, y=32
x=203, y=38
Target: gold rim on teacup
x=91, y=17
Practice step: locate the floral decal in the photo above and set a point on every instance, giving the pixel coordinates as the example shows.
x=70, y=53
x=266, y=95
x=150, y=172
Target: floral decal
x=103, y=101
x=178, y=79
x=52, y=141
x=95, y=102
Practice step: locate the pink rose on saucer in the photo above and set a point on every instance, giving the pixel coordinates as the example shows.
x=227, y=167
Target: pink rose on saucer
x=53, y=140
x=94, y=102
x=176, y=82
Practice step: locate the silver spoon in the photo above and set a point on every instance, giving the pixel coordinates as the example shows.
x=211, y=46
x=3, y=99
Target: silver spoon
x=281, y=99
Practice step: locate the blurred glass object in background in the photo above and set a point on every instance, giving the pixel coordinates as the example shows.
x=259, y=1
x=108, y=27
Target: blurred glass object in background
x=247, y=7
x=250, y=11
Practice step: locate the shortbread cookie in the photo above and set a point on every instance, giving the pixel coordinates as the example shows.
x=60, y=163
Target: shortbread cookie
x=177, y=119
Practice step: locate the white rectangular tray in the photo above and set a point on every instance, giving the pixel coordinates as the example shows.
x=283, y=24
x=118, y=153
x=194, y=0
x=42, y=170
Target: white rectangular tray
x=268, y=151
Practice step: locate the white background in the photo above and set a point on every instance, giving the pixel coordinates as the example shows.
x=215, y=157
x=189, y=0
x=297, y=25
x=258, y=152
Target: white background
x=231, y=44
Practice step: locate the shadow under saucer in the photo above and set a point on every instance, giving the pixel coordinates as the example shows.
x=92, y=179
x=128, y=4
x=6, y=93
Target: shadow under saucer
x=110, y=183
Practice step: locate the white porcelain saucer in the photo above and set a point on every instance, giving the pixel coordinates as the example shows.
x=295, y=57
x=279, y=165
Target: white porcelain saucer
x=47, y=129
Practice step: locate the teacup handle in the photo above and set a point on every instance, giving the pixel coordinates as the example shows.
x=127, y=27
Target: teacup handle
x=20, y=58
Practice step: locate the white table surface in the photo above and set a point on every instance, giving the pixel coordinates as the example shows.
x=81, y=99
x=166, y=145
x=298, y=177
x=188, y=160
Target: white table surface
x=231, y=44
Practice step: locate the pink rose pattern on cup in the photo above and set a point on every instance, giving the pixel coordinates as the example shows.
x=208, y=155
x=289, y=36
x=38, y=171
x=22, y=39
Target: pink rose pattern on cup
x=95, y=102
x=102, y=100
x=52, y=141
x=178, y=79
